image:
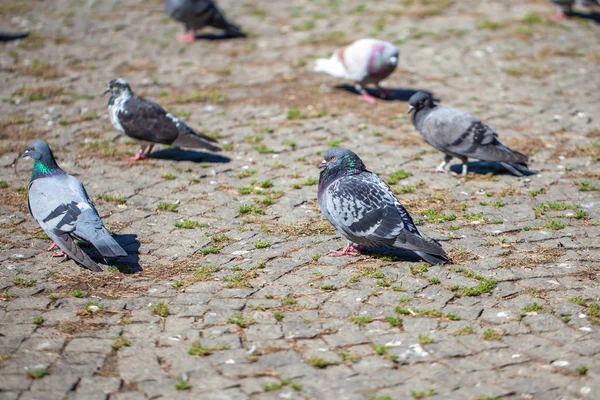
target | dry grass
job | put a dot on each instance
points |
(525, 145)
(536, 71)
(460, 255)
(438, 201)
(36, 93)
(137, 66)
(537, 257)
(421, 8)
(317, 226)
(103, 285)
(40, 69)
(592, 150)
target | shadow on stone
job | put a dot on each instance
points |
(398, 94)
(220, 36)
(484, 168)
(131, 263)
(390, 254)
(175, 154)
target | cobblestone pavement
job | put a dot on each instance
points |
(228, 292)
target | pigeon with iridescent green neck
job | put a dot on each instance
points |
(60, 204)
(366, 61)
(149, 123)
(363, 208)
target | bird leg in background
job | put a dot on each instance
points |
(349, 250)
(385, 93)
(563, 12)
(139, 156)
(53, 245)
(187, 37)
(465, 167)
(440, 168)
(363, 93)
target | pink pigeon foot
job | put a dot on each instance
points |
(438, 170)
(139, 156)
(53, 245)
(188, 37)
(59, 253)
(367, 97)
(348, 251)
(558, 17)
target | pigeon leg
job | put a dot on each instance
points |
(559, 16)
(465, 168)
(188, 37)
(440, 168)
(363, 93)
(139, 156)
(147, 152)
(349, 250)
(59, 254)
(53, 245)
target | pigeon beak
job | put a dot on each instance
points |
(106, 91)
(410, 109)
(323, 164)
(393, 60)
(26, 154)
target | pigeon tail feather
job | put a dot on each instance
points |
(433, 259)
(108, 247)
(189, 138)
(516, 169)
(332, 66)
(66, 244)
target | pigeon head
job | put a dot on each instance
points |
(391, 55)
(117, 88)
(341, 161)
(420, 100)
(44, 162)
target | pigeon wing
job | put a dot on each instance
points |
(460, 134)
(364, 207)
(145, 120)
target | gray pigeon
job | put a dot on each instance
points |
(365, 61)
(363, 208)
(196, 14)
(461, 135)
(565, 7)
(149, 123)
(60, 204)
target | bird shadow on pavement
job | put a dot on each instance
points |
(219, 36)
(175, 154)
(7, 37)
(397, 94)
(484, 168)
(390, 254)
(129, 264)
(593, 16)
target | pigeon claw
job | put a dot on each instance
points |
(59, 253)
(139, 156)
(367, 97)
(52, 246)
(559, 17)
(188, 37)
(349, 250)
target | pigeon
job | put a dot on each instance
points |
(363, 208)
(149, 123)
(364, 61)
(196, 14)
(461, 135)
(565, 7)
(59, 203)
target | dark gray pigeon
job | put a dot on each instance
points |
(363, 208)
(60, 204)
(196, 14)
(461, 135)
(149, 123)
(565, 7)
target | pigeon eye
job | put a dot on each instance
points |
(332, 158)
(32, 148)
